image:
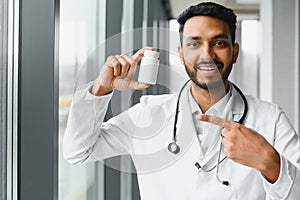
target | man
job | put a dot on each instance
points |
(258, 158)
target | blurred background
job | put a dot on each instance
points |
(49, 48)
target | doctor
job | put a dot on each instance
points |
(219, 158)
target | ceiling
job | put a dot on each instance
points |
(243, 8)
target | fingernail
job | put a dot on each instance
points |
(146, 85)
(143, 85)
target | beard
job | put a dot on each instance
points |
(210, 85)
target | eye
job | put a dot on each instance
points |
(193, 44)
(220, 44)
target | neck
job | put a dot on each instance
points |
(207, 98)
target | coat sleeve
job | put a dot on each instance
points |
(287, 144)
(87, 138)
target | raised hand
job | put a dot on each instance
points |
(118, 73)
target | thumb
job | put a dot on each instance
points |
(125, 84)
(137, 85)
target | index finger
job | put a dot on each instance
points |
(215, 120)
(140, 53)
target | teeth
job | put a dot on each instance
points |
(208, 68)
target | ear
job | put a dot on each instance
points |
(236, 49)
(180, 53)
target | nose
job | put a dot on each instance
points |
(206, 53)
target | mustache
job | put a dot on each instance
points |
(218, 63)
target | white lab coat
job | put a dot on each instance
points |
(145, 130)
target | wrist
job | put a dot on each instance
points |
(270, 166)
(100, 90)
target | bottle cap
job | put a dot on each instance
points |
(149, 60)
(150, 53)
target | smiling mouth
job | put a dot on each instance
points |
(209, 66)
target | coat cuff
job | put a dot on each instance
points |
(280, 189)
(89, 95)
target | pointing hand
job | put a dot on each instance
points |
(247, 147)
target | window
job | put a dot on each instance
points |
(89, 32)
(82, 33)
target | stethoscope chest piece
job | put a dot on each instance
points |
(173, 148)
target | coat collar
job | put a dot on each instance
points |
(237, 104)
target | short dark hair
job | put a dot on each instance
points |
(208, 9)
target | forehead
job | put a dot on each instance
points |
(205, 26)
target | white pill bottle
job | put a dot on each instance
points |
(149, 67)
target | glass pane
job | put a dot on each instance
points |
(80, 22)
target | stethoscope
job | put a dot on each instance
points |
(174, 148)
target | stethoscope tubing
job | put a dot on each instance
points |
(174, 147)
(241, 121)
(177, 110)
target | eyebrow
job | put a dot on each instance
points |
(222, 35)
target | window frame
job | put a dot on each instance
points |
(37, 120)
(3, 95)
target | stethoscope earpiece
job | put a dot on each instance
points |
(173, 148)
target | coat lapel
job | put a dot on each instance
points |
(237, 105)
(186, 136)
